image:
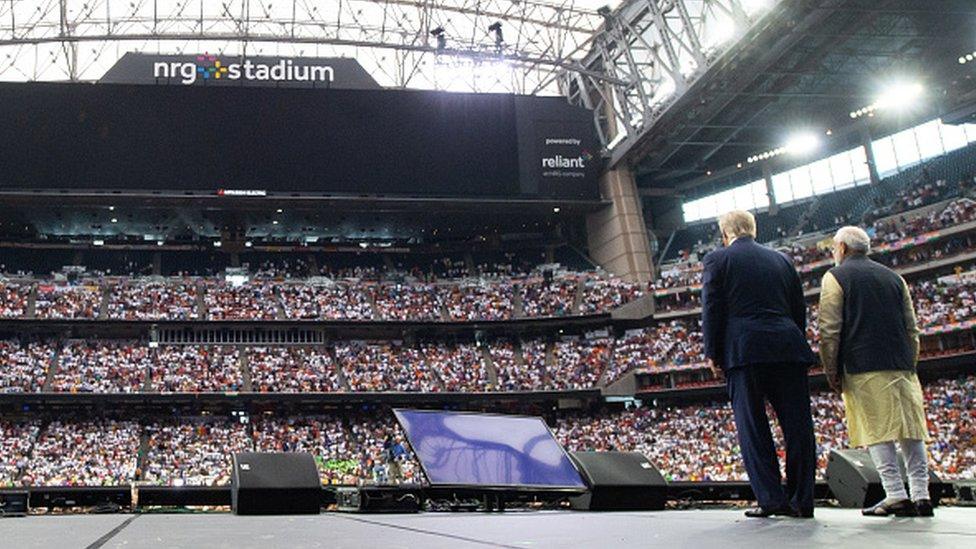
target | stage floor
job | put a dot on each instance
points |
(952, 527)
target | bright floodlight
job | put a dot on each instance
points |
(803, 143)
(900, 96)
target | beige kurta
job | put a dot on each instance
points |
(880, 406)
(884, 407)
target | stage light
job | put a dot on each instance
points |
(115, 220)
(248, 244)
(803, 143)
(111, 208)
(218, 244)
(438, 34)
(159, 242)
(279, 210)
(555, 210)
(496, 28)
(899, 96)
(98, 242)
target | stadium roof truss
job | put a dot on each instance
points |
(649, 53)
(395, 40)
(626, 63)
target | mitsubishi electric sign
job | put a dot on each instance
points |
(217, 70)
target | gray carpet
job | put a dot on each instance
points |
(953, 527)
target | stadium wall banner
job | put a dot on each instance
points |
(223, 70)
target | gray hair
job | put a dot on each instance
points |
(854, 238)
(737, 223)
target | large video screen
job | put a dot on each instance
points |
(95, 137)
(484, 450)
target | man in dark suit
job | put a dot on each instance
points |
(754, 326)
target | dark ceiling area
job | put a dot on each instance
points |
(806, 67)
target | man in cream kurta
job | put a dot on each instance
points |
(869, 350)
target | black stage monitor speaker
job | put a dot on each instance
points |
(619, 481)
(14, 503)
(275, 484)
(855, 482)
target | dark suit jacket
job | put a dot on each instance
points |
(752, 307)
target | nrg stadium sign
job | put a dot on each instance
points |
(218, 70)
(209, 66)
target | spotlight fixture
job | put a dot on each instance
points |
(898, 96)
(799, 144)
(968, 58)
(438, 34)
(496, 28)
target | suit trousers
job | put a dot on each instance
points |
(787, 389)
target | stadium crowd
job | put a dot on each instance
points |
(544, 297)
(83, 453)
(322, 436)
(13, 299)
(386, 367)
(690, 443)
(408, 302)
(461, 367)
(579, 363)
(666, 345)
(24, 368)
(196, 369)
(292, 370)
(606, 294)
(254, 300)
(153, 300)
(698, 443)
(68, 301)
(16, 439)
(480, 301)
(102, 367)
(325, 302)
(194, 453)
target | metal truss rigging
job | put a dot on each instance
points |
(393, 39)
(648, 54)
(627, 64)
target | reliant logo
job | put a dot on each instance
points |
(560, 161)
(208, 66)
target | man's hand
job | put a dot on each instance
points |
(716, 369)
(835, 382)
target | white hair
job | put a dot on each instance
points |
(737, 223)
(854, 238)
